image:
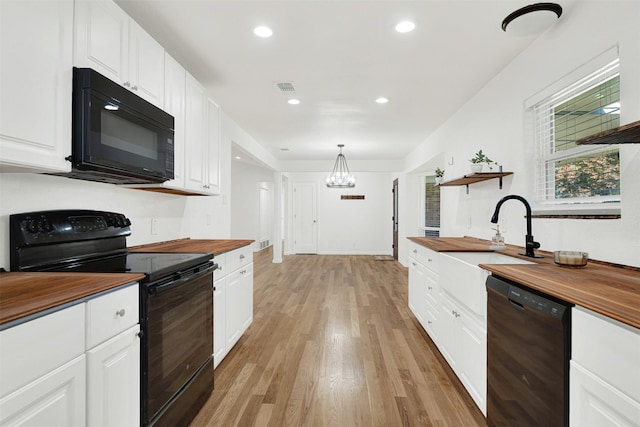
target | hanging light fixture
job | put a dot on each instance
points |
(341, 177)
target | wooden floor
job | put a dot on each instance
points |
(333, 343)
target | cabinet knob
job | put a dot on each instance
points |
(415, 251)
(140, 334)
(429, 287)
(126, 84)
(241, 256)
(135, 88)
(414, 264)
(429, 259)
(120, 312)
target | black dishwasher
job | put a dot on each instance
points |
(528, 352)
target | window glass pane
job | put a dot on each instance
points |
(588, 175)
(593, 111)
(431, 207)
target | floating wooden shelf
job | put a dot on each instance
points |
(472, 178)
(627, 134)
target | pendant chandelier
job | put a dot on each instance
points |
(341, 177)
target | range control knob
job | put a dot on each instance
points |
(127, 222)
(32, 227)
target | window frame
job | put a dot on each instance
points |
(588, 76)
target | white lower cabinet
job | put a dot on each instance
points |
(113, 399)
(79, 366)
(232, 300)
(455, 321)
(55, 399)
(604, 388)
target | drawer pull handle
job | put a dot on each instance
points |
(120, 312)
(415, 251)
(241, 256)
(429, 287)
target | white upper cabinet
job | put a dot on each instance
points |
(36, 40)
(114, 45)
(202, 140)
(174, 104)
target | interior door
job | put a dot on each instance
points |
(395, 218)
(305, 218)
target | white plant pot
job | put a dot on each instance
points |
(476, 167)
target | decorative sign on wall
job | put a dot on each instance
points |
(351, 197)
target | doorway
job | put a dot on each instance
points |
(395, 218)
(305, 218)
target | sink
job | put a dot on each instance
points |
(475, 258)
(461, 277)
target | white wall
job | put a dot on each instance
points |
(494, 120)
(245, 181)
(206, 217)
(353, 226)
(177, 216)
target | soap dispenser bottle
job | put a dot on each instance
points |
(497, 241)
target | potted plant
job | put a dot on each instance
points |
(439, 176)
(478, 161)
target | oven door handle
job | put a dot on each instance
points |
(162, 287)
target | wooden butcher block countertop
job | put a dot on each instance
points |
(216, 247)
(23, 294)
(610, 290)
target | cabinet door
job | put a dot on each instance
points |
(448, 331)
(146, 65)
(246, 301)
(595, 403)
(174, 104)
(416, 290)
(213, 148)
(113, 381)
(102, 39)
(472, 358)
(219, 319)
(195, 135)
(55, 399)
(36, 40)
(234, 308)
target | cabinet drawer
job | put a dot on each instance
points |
(425, 256)
(223, 268)
(111, 314)
(608, 348)
(30, 350)
(239, 257)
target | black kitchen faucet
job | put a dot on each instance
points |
(530, 244)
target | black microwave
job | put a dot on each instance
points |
(118, 137)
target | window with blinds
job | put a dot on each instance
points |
(570, 173)
(431, 203)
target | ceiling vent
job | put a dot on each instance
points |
(286, 88)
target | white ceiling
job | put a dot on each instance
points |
(340, 55)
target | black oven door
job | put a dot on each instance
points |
(178, 341)
(116, 131)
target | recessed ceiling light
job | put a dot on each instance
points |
(382, 100)
(238, 157)
(405, 27)
(294, 101)
(262, 31)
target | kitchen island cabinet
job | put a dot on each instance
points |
(36, 42)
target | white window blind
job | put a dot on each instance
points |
(570, 173)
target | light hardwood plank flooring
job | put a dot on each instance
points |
(333, 343)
